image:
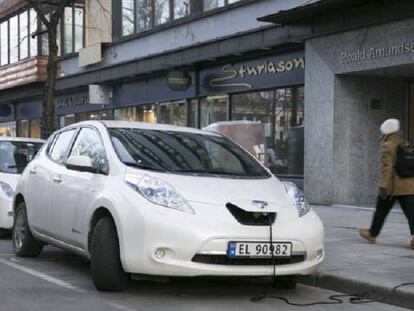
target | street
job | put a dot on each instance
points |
(58, 280)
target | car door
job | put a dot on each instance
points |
(42, 181)
(76, 190)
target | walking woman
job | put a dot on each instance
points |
(391, 187)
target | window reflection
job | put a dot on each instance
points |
(213, 109)
(14, 39)
(23, 39)
(282, 113)
(144, 12)
(161, 11)
(127, 17)
(213, 4)
(4, 33)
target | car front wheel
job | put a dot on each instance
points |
(24, 244)
(106, 268)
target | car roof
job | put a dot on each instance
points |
(149, 126)
(21, 139)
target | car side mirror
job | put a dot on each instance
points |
(80, 163)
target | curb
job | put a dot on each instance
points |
(402, 297)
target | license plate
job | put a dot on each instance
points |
(258, 249)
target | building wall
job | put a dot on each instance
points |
(205, 29)
(344, 74)
(356, 133)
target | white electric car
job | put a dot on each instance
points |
(158, 200)
(15, 154)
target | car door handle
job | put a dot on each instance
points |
(57, 179)
(33, 171)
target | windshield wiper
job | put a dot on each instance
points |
(212, 172)
(144, 166)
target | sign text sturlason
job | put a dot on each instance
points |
(265, 68)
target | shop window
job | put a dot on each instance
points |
(139, 114)
(8, 129)
(193, 113)
(213, 109)
(35, 128)
(95, 115)
(23, 128)
(28, 128)
(282, 113)
(67, 120)
(173, 113)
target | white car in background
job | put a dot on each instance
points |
(15, 154)
(140, 199)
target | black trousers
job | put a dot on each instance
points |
(384, 207)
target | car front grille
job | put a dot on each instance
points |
(240, 261)
(251, 218)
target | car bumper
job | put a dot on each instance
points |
(170, 243)
(6, 213)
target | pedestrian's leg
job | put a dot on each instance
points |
(407, 205)
(381, 212)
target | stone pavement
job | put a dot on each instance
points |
(352, 265)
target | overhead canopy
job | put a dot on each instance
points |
(311, 9)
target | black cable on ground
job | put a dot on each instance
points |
(359, 298)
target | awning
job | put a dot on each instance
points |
(310, 9)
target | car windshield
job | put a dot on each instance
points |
(184, 153)
(15, 155)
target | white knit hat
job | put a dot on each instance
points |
(390, 126)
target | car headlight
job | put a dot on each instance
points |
(298, 198)
(158, 192)
(7, 189)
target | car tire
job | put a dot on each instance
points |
(24, 244)
(106, 268)
(287, 282)
(4, 233)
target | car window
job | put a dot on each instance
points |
(88, 143)
(15, 155)
(61, 145)
(184, 152)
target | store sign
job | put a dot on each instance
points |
(372, 53)
(73, 100)
(100, 94)
(282, 69)
(178, 80)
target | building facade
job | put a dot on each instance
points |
(183, 62)
(359, 70)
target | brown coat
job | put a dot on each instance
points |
(389, 179)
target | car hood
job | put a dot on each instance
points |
(247, 194)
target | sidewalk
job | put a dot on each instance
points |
(352, 265)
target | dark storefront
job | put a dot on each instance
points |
(267, 89)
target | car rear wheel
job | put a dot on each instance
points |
(106, 268)
(24, 244)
